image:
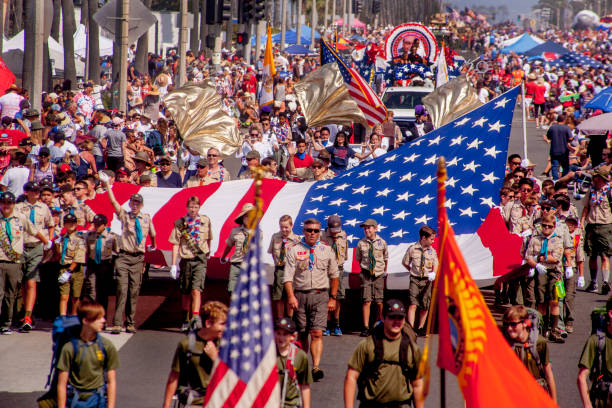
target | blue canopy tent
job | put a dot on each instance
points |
(574, 59)
(524, 43)
(298, 50)
(547, 47)
(603, 100)
(291, 37)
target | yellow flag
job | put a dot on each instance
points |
(267, 90)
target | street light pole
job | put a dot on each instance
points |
(182, 44)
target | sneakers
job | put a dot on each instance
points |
(555, 337)
(337, 331)
(115, 329)
(130, 329)
(5, 331)
(27, 324)
(185, 327)
(326, 332)
(605, 288)
(317, 374)
(569, 327)
(365, 333)
(592, 287)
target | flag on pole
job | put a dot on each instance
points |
(267, 89)
(441, 69)
(470, 343)
(245, 374)
(367, 100)
(7, 78)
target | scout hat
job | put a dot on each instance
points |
(36, 125)
(143, 157)
(100, 219)
(394, 307)
(137, 197)
(7, 197)
(334, 224)
(70, 218)
(203, 162)
(602, 173)
(31, 186)
(284, 324)
(245, 209)
(145, 177)
(369, 222)
(31, 113)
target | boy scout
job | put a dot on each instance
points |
(13, 229)
(40, 215)
(71, 249)
(238, 240)
(280, 243)
(199, 179)
(101, 249)
(574, 264)
(335, 237)
(544, 254)
(293, 366)
(190, 239)
(192, 365)
(421, 260)
(70, 205)
(519, 215)
(129, 266)
(372, 255)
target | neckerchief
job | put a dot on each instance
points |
(246, 240)
(335, 248)
(32, 215)
(7, 228)
(193, 228)
(544, 250)
(98, 255)
(311, 258)
(576, 241)
(138, 230)
(283, 251)
(372, 261)
(422, 262)
(301, 155)
(64, 248)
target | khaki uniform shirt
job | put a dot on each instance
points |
(555, 250)
(42, 219)
(195, 181)
(186, 251)
(577, 254)
(109, 245)
(379, 250)
(238, 238)
(572, 212)
(341, 245)
(221, 174)
(561, 230)
(298, 269)
(81, 211)
(75, 248)
(420, 261)
(127, 241)
(277, 250)
(600, 213)
(20, 227)
(519, 218)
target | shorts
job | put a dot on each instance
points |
(311, 313)
(192, 274)
(419, 292)
(598, 239)
(341, 290)
(278, 288)
(32, 257)
(372, 287)
(538, 109)
(75, 285)
(234, 272)
(545, 286)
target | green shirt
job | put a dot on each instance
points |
(388, 384)
(195, 372)
(589, 352)
(87, 370)
(303, 374)
(524, 354)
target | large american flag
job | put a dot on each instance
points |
(245, 373)
(358, 88)
(397, 189)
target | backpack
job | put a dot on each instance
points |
(153, 138)
(289, 373)
(601, 387)
(407, 347)
(535, 325)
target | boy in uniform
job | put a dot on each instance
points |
(101, 250)
(335, 237)
(293, 366)
(190, 239)
(421, 260)
(237, 239)
(372, 255)
(575, 264)
(71, 250)
(280, 244)
(70, 205)
(192, 365)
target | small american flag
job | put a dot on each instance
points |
(358, 88)
(245, 374)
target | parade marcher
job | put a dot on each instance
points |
(530, 347)
(129, 265)
(383, 368)
(71, 249)
(421, 260)
(575, 261)
(311, 283)
(335, 237)
(294, 375)
(238, 239)
(373, 255)
(69, 205)
(39, 215)
(192, 364)
(102, 248)
(280, 243)
(190, 239)
(559, 136)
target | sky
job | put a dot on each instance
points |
(515, 7)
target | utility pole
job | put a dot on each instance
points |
(247, 47)
(121, 37)
(333, 13)
(283, 23)
(313, 23)
(260, 27)
(298, 28)
(325, 15)
(349, 20)
(37, 69)
(182, 44)
(203, 28)
(344, 17)
(2, 13)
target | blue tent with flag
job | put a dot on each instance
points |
(549, 47)
(574, 59)
(524, 43)
(603, 100)
(298, 49)
(291, 36)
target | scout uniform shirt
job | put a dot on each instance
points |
(71, 248)
(100, 247)
(92, 363)
(195, 181)
(421, 261)
(339, 246)
(131, 240)
(12, 235)
(279, 247)
(599, 206)
(40, 215)
(572, 212)
(81, 211)
(238, 237)
(554, 249)
(577, 252)
(216, 176)
(520, 218)
(195, 372)
(310, 267)
(372, 255)
(199, 230)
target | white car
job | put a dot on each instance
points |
(401, 100)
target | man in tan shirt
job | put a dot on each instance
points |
(70, 205)
(190, 239)
(216, 172)
(335, 237)
(129, 266)
(199, 179)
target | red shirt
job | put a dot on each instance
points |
(15, 135)
(538, 94)
(305, 162)
(529, 89)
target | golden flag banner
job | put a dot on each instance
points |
(450, 101)
(202, 123)
(325, 100)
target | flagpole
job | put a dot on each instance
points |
(524, 120)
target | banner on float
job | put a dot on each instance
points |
(403, 36)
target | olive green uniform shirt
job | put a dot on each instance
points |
(298, 271)
(341, 245)
(303, 374)
(238, 238)
(598, 214)
(197, 370)
(75, 248)
(279, 254)
(524, 354)
(589, 352)
(81, 211)
(554, 250)
(420, 261)
(127, 240)
(87, 371)
(108, 242)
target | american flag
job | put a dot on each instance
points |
(397, 189)
(574, 59)
(245, 373)
(358, 88)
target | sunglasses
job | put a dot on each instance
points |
(201, 167)
(525, 190)
(317, 167)
(81, 188)
(312, 230)
(164, 164)
(547, 226)
(212, 155)
(254, 134)
(516, 163)
(512, 324)
(546, 208)
(510, 196)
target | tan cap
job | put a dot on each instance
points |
(143, 157)
(369, 222)
(245, 209)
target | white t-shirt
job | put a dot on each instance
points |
(14, 179)
(10, 104)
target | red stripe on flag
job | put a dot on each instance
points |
(269, 189)
(504, 246)
(215, 380)
(102, 205)
(266, 390)
(235, 395)
(175, 207)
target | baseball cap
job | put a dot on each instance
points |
(31, 112)
(100, 219)
(7, 196)
(44, 151)
(70, 218)
(64, 167)
(394, 307)
(31, 186)
(36, 125)
(203, 162)
(137, 197)
(334, 223)
(284, 324)
(253, 154)
(548, 203)
(369, 222)
(26, 141)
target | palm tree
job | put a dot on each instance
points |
(68, 38)
(55, 26)
(94, 43)
(142, 48)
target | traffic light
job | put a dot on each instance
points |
(375, 6)
(246, 11)
(260, 9)
(242, 38)
(225, 10)
(211, 12)
(356, 6)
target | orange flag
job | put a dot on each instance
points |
(470, 344)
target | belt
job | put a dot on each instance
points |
(131, 253)
(324, 290)
(30, 246)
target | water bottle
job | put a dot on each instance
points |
(560, 289)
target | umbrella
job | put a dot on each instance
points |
(603, 100)
(597, 125)
(298, 50)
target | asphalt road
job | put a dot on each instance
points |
(146, 356)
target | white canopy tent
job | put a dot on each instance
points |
(80, 43)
